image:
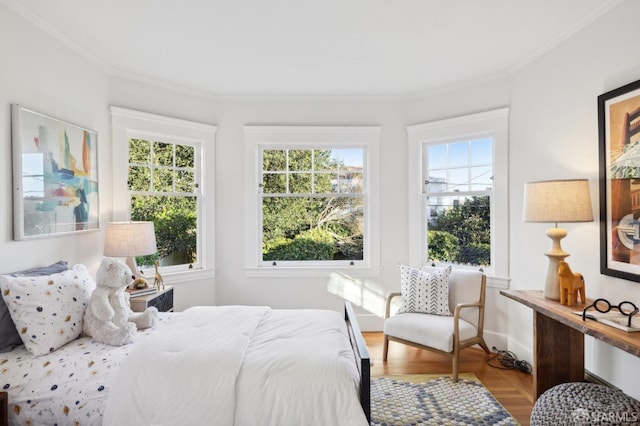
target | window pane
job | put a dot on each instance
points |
(185, 156)
(139, 178)
(323, 160)
(185, 181)
(300, 183)
(481, 178)
(139, 151)
(162, 180)
(350, 158)
(299, 159)
(274, 183)
(274, 160)
(481, 151)
(437, 156)
(459, 154)
(437, 181)
(163, 154)
(459, 179)
(324, 183)
(312, 228)
(350, 183)
(459, 230)
(175, 221)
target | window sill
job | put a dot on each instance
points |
(303, 271)
(183, 276)
(501, 283)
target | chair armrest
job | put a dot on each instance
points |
(387, 303)
(461, 306)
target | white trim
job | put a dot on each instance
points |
(129, 123)
(160, 119)
(277, 131)
(494, 123)
(311, 271)
(342, 136)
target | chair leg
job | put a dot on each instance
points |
(484, 346)
(385, 348)
(454, 362)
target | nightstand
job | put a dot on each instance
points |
(163, 300)
(4, 409)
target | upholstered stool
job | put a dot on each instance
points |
(579, 403)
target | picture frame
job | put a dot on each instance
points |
(55, 176)
(619, 152)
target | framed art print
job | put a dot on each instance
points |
(619, 134)
(55, 176)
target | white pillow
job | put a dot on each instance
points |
(424, 292)
(48, 309)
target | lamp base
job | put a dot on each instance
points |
(555, 255)
(137, 280)
(552, 284)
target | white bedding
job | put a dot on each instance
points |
(240, 365)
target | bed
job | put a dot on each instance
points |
(235, 365)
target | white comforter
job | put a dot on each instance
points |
(240, 365)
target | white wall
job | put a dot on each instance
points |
(554, 134)
(40, 73)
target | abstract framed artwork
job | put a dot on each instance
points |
(619, 135)
(55, 176)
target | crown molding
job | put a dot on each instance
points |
(597, 12)
(49, 29)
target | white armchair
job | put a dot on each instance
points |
(443, 334)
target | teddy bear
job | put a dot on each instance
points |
(108, 317)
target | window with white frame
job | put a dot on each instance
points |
(164, 181)
(164, 188)
(458, 192)
(315, 197)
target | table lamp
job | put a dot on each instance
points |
(556, 201)
(130, 239)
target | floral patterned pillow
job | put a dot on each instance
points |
(48, 310)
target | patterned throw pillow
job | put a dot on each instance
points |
(48, 310)
(424, 292)
(9, 337)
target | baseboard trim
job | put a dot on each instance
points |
(592, 378)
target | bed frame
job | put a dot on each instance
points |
(362, 358)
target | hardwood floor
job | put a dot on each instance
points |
(514, 389)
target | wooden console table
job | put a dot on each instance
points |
(558, 339)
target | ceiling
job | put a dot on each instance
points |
(311, 48)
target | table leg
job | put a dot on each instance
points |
(558, 354)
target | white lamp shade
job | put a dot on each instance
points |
(125, 239)
(556, 201)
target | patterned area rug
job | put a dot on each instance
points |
(424, 399)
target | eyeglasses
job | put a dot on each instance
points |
(626, 308)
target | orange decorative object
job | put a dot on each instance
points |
(571, 284)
